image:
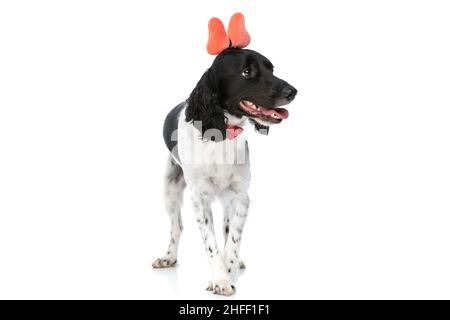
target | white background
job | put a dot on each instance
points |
(350, 195)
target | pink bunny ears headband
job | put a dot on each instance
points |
(219, 39)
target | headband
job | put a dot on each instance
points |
(219, 39)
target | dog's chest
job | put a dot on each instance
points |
(212, 166)
(221, 166)
(215, 178)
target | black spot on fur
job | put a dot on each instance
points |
(180, 223)
(212, 182)
(175, 174)
(205, 194)
(233, 189)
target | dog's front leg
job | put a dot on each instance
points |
(238, 209)
(221, 283)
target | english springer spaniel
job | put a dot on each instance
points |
(209, 153)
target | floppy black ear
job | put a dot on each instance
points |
(204, 105)
(259, 127)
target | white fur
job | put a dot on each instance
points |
(212, 170)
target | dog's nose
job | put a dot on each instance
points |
(289, 93)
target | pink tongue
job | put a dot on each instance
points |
(280, 112)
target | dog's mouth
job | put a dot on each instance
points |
(273, 115)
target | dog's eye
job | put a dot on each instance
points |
(246, 73)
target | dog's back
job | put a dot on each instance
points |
(170, 126)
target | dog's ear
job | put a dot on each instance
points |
(204, 106)
(259, 127)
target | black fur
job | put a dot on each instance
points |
(170, 126)
(236, 75)
(205, 105)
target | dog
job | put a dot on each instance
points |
(209, 153)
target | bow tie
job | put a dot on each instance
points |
(233, 131)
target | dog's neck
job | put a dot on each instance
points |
(232, 120)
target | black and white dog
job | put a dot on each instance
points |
(209, 153)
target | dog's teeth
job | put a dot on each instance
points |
(250, 104)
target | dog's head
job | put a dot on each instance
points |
(241, 83)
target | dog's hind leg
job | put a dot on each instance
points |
(173, 196)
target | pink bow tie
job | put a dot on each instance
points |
(233, 132)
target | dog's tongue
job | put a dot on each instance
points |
(280, 112)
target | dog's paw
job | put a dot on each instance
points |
(222, 287)
(165, 262)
